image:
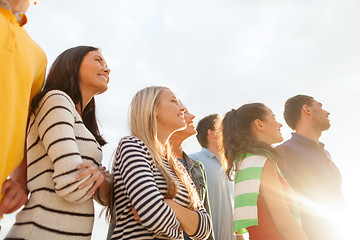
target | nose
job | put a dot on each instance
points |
(106, 70)
(280, 125)
(192, 116)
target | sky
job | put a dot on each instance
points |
(215, 56)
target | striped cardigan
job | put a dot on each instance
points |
(138, 183)
(57, 141)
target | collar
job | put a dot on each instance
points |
(20, 16)
(188, 160)
(306, 141)
(210, 154)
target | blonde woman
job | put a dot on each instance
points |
(154, 196)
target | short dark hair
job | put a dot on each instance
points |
(64, 76)
(292, 109)
(206, 123)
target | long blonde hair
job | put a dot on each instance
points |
(143, 125)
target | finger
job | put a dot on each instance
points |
(6, 185)
(7, 201)
(89, 181)
(136, 215)
(88, 171)
(100, 179)
(19, 201)
(83, 165)
(14, 198)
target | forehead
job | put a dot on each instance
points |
(268, 111)
(316, 103)
(167, 93)
(95, 53)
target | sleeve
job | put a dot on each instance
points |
(132, 164)
(204, 228)
(207, 202)
(40, 77)
(55, 121)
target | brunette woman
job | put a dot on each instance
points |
(263, 204)
(64, 150)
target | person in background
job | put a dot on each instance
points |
(219, 187)
(154, 197)
(194, 168)
(23, 66)
(264, 203)
(309, 170)
(64, 151)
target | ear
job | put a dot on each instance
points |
(306, 110)
(210, 134)
(258, 125)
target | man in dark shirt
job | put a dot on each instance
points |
(308, 168)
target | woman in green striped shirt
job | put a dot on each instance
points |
(264, 205)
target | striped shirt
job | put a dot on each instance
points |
(138, 183)
(57, 141)
(247, 188)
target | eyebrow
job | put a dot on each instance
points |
(101, 59)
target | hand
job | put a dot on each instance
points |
(97, 176)
(136, 215)
(15, 196)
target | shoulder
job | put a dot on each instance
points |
(131, 144)
(56, 97)
(254, 161)
(196, 156)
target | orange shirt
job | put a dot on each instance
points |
(22, 68)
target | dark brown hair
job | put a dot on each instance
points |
(292, 109)
(206, 123)
(237, 136)
(64, 76)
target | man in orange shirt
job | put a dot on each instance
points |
(22, 70)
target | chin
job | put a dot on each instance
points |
(102, 90)
(279, 139)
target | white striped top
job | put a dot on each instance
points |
(57, 141)
(138, 183)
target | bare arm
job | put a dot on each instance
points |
(277, 205)
(240, 237)
(188, 219)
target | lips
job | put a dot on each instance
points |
(105, 77)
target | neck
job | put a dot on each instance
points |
(163, 136)
(308, 132)
(19, 5)
(213, 148)
(176, 146)
(85, 101)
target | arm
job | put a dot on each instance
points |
(14, 189)
(188, 219)
(100, 181)
(196, 224)
(206, 201)
(277, 205)
(132, 165)
(55, 121)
